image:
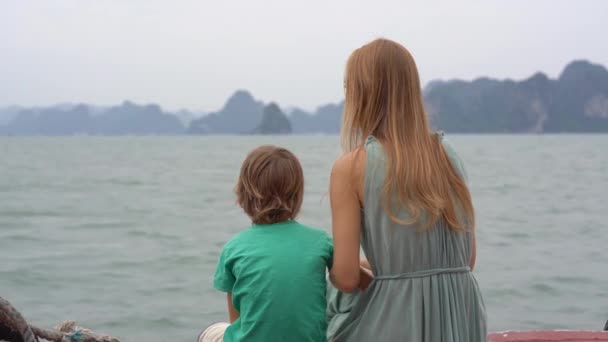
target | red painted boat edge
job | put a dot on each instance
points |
(548, 336)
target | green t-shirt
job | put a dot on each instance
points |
(277, 276)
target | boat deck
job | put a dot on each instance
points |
(548, 336)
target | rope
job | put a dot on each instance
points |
(13, 327)
(69, 332)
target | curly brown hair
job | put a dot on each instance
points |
(270, 188)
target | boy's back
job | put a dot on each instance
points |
(276, 274)
(273, 272)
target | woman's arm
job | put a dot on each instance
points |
(232, 313)
(346, 221)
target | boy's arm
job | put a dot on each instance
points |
(224, 280)
(232, 313)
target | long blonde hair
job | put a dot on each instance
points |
(384, 100)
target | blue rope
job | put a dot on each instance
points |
(75, 337)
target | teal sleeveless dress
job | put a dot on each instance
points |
(423, 289)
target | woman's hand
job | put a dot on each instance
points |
(365, 263)
(365, 278)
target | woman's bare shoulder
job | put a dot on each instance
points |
(351, 167)
(350, 163)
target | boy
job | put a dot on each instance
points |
(274, 273)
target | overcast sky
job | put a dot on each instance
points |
(194, 54)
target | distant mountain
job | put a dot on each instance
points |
(326, 119)
(241, 113)
(186, 116)
(132, 119)
(576, 102)
(274, 121)
(7, 114)
(580, 99)
(126, 119)
(51, 121)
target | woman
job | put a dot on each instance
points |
(399, 192)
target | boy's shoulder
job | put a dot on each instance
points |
(251, 235)
(312, 230)
(321, 241)
(315, 236)
(240, 237)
